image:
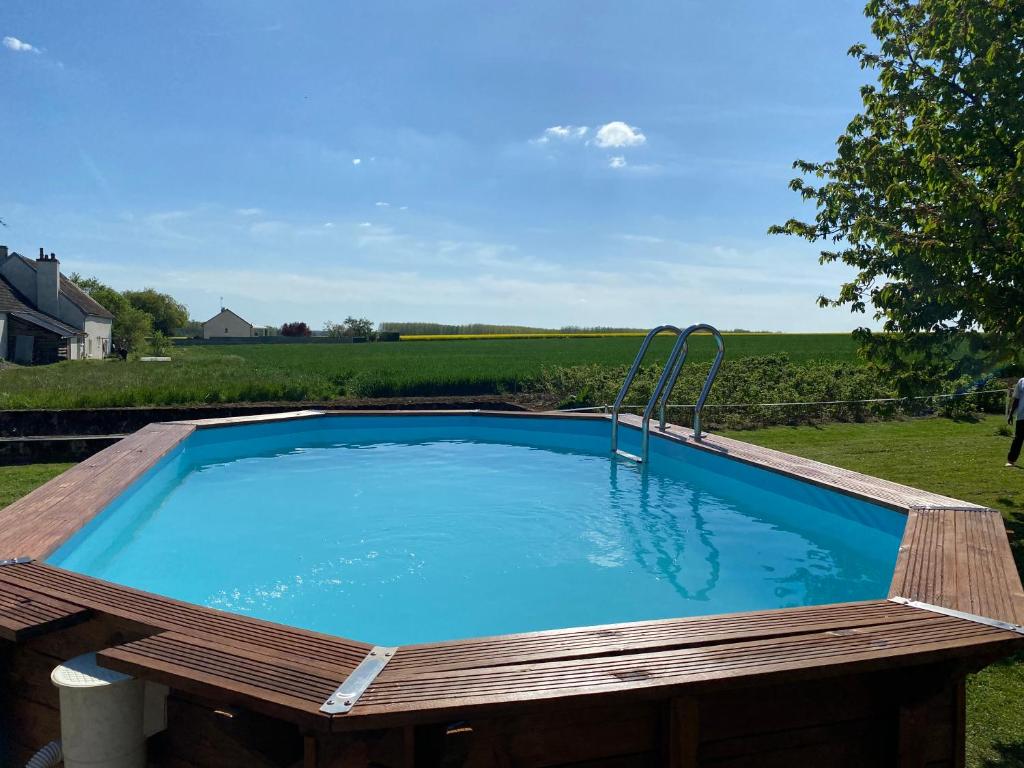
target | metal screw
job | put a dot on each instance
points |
(330, 702)
(348, 703)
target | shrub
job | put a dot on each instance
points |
(295, 329)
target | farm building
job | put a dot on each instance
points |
(44, 317)
(227, 325)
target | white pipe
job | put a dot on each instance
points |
(50, 756)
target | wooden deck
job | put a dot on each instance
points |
(35, 525)
(409, 691)
(954, 556)
(959, 559)
(289, 673)
(25, 613)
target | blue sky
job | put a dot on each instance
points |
(599, 163)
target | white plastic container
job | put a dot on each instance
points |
(101, 715)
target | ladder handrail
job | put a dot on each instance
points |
(666, 383)
(671, 371)
(706, 389)
(708, 382)
(633, 370)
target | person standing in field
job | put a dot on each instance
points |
(1016, 412)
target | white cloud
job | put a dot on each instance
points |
(356, 160)
(617, 162)
(382, 204)
(562, 133)
(249, 211)
(365, 224)
(619, 134)
(329, 224)
(19, 46)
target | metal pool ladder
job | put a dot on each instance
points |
(666, 383)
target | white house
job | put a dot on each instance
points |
(44, 317)
(226, 325)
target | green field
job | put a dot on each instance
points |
(327, 371)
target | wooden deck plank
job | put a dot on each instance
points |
(258, 418)
(165, 614)
(959, 559)
(38, 523)
(631, 637)
(24, 613)
(400, 693)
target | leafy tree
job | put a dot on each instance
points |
(111, 299)
(334, 330)
(168, 315)
(131, 327)
(295, 329)
(925, 197)
(358, 326)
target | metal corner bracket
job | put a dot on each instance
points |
(347, 694)
(994, 623)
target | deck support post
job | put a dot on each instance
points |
(310, 751)
(923, 692)
(682, 732)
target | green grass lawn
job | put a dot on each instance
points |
(962, 459)
(327, 371)
(16, 481)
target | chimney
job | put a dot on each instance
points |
(3, 253)
(48, 284)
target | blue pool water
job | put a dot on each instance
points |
(409, 529)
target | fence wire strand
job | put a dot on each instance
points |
(798, 404)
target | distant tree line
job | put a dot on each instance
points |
(138, 315)
(439, 329)
(353, 326)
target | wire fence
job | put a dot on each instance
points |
(761, 414)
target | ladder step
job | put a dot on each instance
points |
(630, 456)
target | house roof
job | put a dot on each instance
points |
(75, 295)
(11, 300)
(14, 303)
(48, 323)
(83, 300)
(228, 311)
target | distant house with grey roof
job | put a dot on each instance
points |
(44, 317)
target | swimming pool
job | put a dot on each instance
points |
(421, 528)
